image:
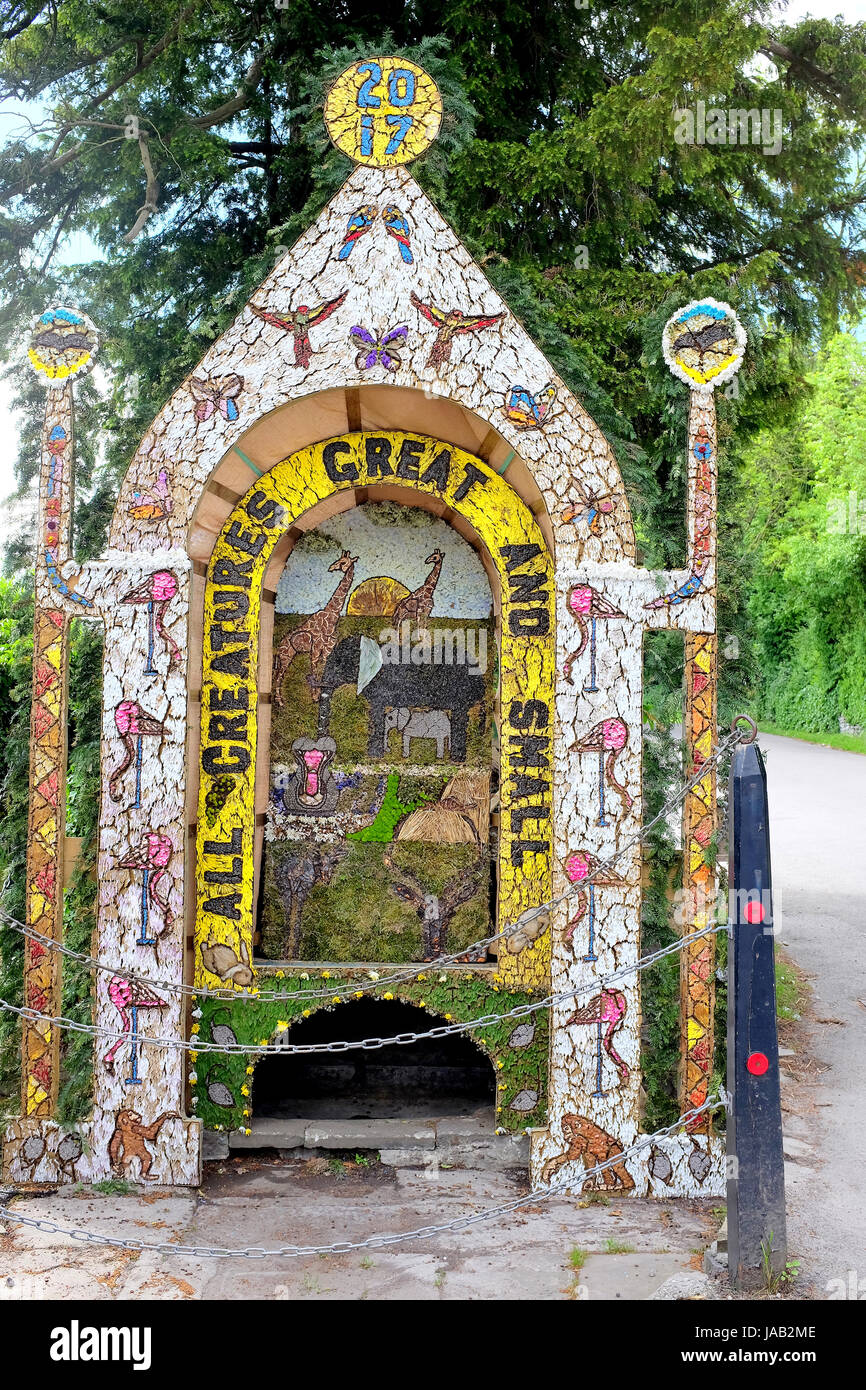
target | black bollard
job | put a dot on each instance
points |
(757, 1248)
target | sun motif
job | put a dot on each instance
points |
(376, 598)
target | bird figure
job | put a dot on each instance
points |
(609, 737)
(705, 342)
(584, 868)
(450, 322)
(299, 321)
(216, 395)
(133, 724)
(375, 350)
(529, 412)
(398, 227)
(151, 859)
(360, 222)
(607, 1007)
(128, 996)
(157, 591)
(585, 602)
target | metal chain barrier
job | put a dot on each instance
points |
(345, 1247)
(398, 977)
(444, 1030)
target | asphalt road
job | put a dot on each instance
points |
(818, 847)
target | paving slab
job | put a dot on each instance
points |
(270, 1134)
(629, 1277)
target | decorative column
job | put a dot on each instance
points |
(703, 346)
(62, 345)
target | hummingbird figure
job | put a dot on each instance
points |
(299, 321)
(450, 322)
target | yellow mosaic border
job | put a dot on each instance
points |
(225, 848)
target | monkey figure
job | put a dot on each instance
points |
(593, 1145)
(127, 1141)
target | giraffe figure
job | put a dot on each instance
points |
(418, 605)
(318, 635)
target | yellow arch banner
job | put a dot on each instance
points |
(229, 709)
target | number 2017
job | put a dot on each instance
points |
(401, 92)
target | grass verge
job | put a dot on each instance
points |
(848, 743)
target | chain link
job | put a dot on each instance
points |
(399, 977)
(345, 1247)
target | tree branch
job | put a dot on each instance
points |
(834, 87)
(238, 102)
(151, 194)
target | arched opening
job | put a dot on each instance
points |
(431, 1078)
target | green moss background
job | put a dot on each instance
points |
(446, 995)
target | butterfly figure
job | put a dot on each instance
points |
(398, 227)
(593, 508)
(154, 505)
(299, 321)
(378, 350)
(216, 395)
(360, 222)
(529, 412)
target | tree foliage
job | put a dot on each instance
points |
(803, 508)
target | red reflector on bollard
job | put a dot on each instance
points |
(758, 1063)
(754, 912)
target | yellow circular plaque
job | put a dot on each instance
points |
(383, 111)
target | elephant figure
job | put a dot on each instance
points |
(443, 689)
(432, 723)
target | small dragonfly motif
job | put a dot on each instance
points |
(378, 350)
(216, 395)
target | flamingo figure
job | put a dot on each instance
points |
(157, 591)
(128, 996)
(608, 1007)
(609, 737)
(583, 867)
(151, 860)
(585, 602)
(133, 724)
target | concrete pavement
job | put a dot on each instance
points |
(818, 846)
(627, 1249)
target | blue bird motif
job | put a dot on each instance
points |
(360, 222)
(398, 227)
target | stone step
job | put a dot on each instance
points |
(463, 1141)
